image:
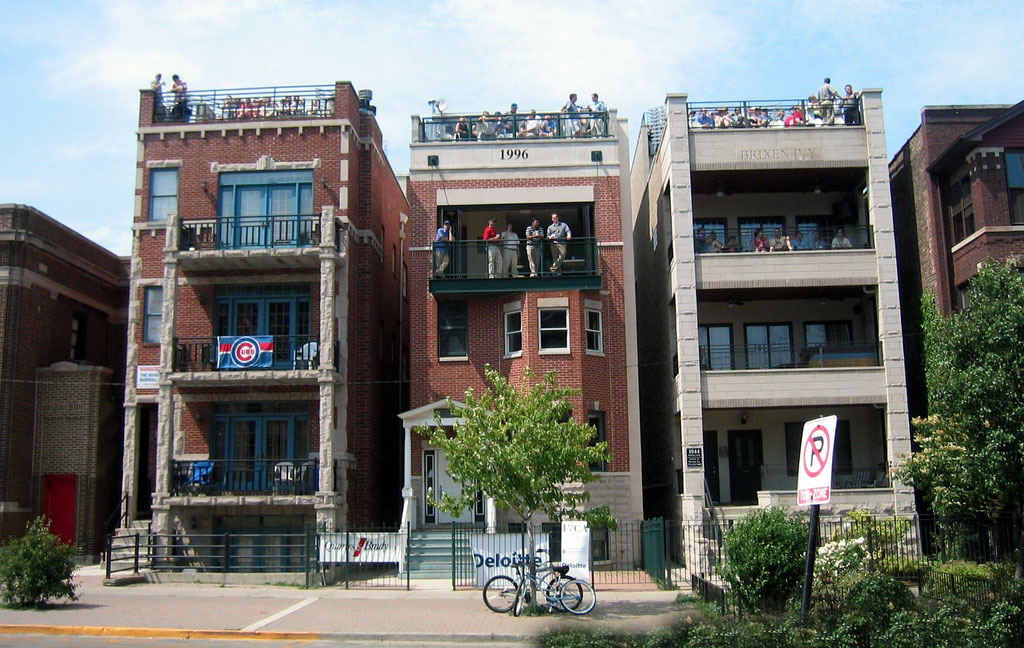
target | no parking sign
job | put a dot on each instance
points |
(814, 483)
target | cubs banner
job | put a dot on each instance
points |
(245, 352)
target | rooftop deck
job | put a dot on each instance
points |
(242, 104)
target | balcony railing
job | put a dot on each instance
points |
(725, 357)
(247, 104)
(717, 238)
(250, 232)
(289, 352)
(470, 259)
(483, 127)
(774, 113)
(263, 476)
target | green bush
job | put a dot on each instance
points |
(36, 567)
(765, 556)
(877, 597)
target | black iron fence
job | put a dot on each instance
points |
(239, 104)
(713, 237)
(726, 357)
(207, 354)
(365, 557)
(250, 232)
(479, 260)
(263, 476)
(533, 125)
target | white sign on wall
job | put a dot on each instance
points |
(147, 376)
(817, 449)
(496, 553)
(363, 547)
(576, 549)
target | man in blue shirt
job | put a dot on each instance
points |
(443, 247)
(598, 115)
(559, 234)
(534, 241)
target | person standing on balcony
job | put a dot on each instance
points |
(851, 107)
(571, 121)
(159, 112)
(510, 252)
(826, 95)
(443, 247)
(534, 245)
(598, 115)
(180, 90)
(493, 242)
(559, 234)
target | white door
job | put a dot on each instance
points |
(435, 476)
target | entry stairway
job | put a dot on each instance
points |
(431, 555)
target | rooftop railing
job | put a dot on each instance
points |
(774, 113)
(721, 239)
(485, 126)
(726, 357)
(238, 232)
(240, 104)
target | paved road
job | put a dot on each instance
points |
(38, 641)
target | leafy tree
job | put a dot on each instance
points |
(521, 446)
(36, 567)
(971, 445)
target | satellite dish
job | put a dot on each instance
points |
(439, 105)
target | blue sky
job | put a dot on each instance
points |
(70, 71)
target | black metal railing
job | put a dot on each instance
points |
(717, 238)
(726, 357)
(484, 126)
(474, 259)
(240, 232)
(205, 354)
(265, 476)
(246, 104)
(774, 113)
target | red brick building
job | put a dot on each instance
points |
(61, 357)
(569, 310)
(958, 200)
(267, 322)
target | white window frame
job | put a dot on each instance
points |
(511, 333)
(599, 331)
(149, 315)
(155, 198)
(540, 331)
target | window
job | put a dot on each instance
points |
(715, 346)
(959, 206)
(596, 420)
(153, 309)
(1015, 185)
(835, 333)
(554, 329)
(248, 195)
(595, 336)
(513, 333)
(78, 337)
(452, 330)
(599, 545)
(842, 464)
(163, 193)
(769, 346)
(716, 227)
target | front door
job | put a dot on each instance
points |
(744, 465)
(436, 478)
(60, 505)
(711, 465)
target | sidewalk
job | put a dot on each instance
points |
(288, 613)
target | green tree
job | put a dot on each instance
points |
(36, 567)
(971, 445)
(520, 446)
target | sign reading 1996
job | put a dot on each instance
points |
(814, 483)
(515, 154)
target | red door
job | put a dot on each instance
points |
(59, 505)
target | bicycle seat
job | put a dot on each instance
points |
(561, 568)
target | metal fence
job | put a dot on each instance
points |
(250, 232)
(533, 125)
(235, 104)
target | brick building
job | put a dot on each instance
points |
(61, 373)
(742, 346)
(266, 323)
(572, 312)
(958, 198)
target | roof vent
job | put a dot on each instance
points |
(366, 96)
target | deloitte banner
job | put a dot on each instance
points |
(495, 553)
(245, 352)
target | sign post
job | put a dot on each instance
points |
(814, 487)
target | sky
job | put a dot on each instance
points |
(70, 71)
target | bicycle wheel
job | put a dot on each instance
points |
(500, 594)
(520, 603)
(577, 596)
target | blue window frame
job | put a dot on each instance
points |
(255, 207)
(163, 193)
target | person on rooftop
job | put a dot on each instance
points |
(157, 86)
(704, 119)
(598, 115)
(851, 107)
(180, 90)
(571, 121)
(531, 127)
(826, 97)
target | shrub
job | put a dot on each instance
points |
(36, 567)
(765, 555)
(958, 577)
(872, 603)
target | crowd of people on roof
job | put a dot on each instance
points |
(233, 107)
(571, 121)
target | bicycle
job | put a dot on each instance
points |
(503, 593)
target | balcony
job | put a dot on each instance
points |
(724, 357)
(473, 127)
(277, 352)
(247, 104)
(467, 269)
(262, 476)
(251, 242)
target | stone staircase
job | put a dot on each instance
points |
(430, 555)
(122, 554)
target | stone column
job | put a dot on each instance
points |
(166, 415)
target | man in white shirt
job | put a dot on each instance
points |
(510, 252)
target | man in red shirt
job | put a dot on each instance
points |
(493, 242)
